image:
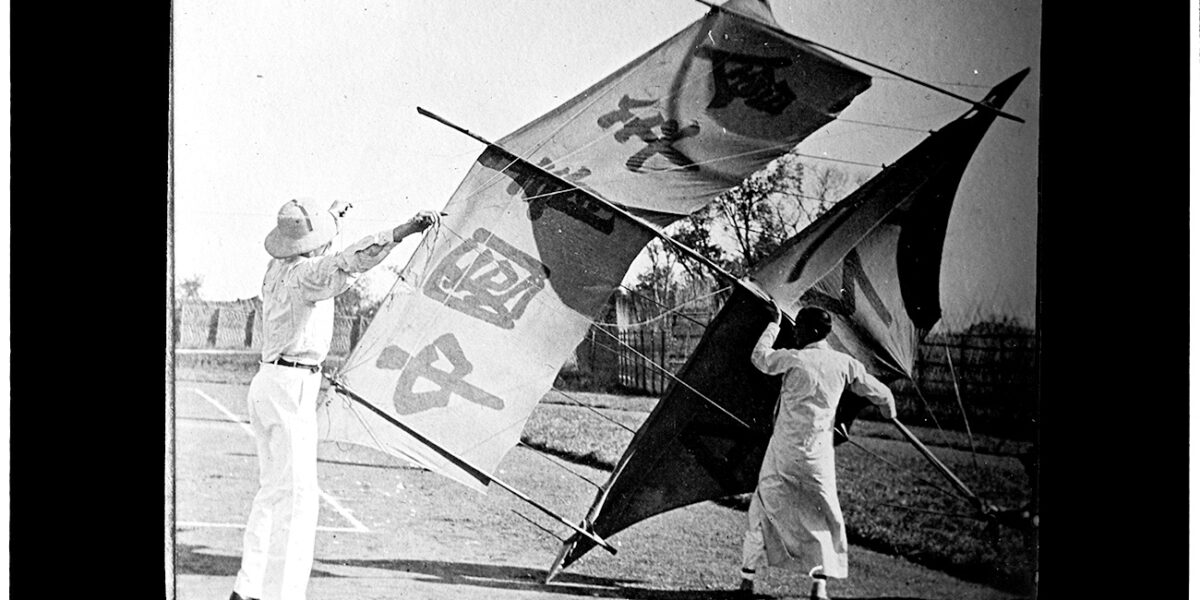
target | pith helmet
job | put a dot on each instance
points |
(302, 226)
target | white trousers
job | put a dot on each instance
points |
(277, 551)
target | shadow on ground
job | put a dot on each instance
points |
(508, 577)
(328, 461)
(192, 560)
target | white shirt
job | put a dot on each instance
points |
(298, 292)
(813, 380)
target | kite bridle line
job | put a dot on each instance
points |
(961, 408)
(984, 511)
(983, 508)
(474, 471)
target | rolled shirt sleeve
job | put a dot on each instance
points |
(329, 276)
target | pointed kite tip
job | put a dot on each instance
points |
(996, 98)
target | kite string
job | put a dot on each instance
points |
(679, 307)
(926, 510)
(925, 403)
(551, 459)
(896, 467)
(660, 304)
(675, 378)
(961, 408)
(538, 525)
(438, 226)
(597, 412)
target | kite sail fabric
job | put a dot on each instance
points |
(873, 260)
(497, 296)
(485, 314)
(692, 117)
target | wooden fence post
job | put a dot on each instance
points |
(354, 331)
(620, 348)
(250, 329)
(642, 363)
(213, 325)
(662, 361)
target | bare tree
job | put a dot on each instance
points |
(745, 224)
(189, 288)
(659, 281)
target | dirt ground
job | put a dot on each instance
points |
(388, 530)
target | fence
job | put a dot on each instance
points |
(995, 371)
(238, 326)
(990, 366)
(995, 375)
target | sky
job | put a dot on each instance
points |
(278, 99)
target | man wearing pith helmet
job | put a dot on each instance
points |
(794, 517)
(302, 279)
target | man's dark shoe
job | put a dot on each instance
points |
(746, 589)
(237, 596)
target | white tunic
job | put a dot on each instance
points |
(794, 515)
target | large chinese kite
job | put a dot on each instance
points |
(496, 299)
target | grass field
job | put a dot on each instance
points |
(893, 501)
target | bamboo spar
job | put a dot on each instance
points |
(474, 471)
(943, 469)
(607, 203)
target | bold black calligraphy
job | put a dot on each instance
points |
(543, 192)
(853, 277)
(624, 111)
(751, 78)
(487, 278)
(566, 173)
(643, 128)
(423, 367)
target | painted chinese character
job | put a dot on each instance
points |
(853, 277)
(487, 278)
(566, 173)
(544, 192)
(661, 142)
(412, 369)
(749, 77)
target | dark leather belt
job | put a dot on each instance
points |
(287, 363)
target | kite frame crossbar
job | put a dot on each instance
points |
(474, 471)
(606, 202)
